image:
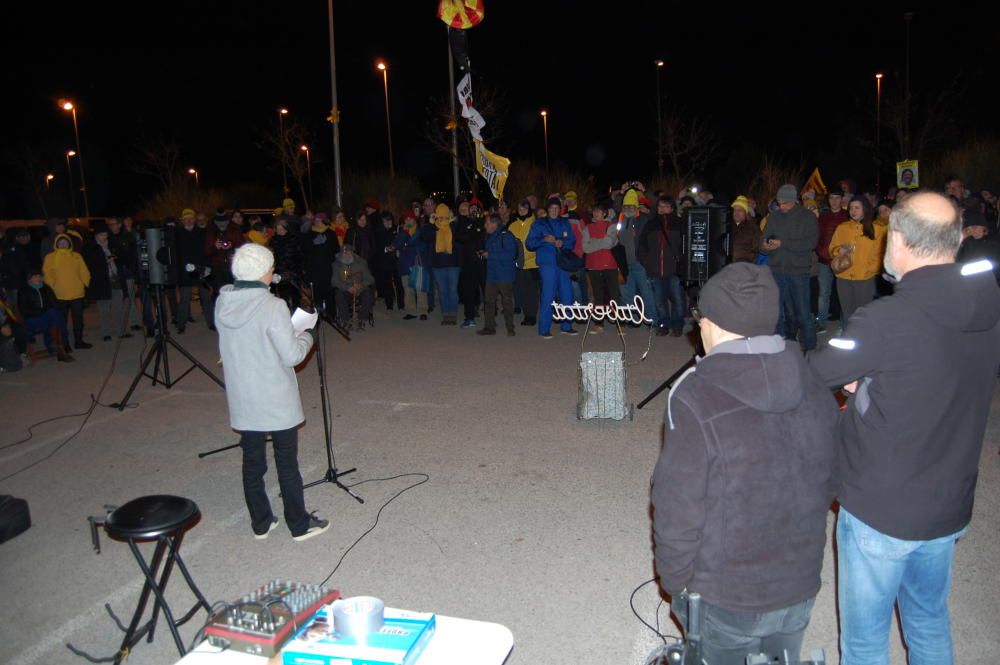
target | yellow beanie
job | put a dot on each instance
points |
(288, 203)
(570, 195)
(631, 198)
(187, 212)
(741, 202)
(442, 211)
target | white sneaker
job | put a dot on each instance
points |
(316, 527)
(263, 536)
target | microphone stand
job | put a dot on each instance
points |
(332, 475)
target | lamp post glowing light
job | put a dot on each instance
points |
(48, 181)
(545, 129)
(382, 67)
(659, 121)
(67, 105)
(282, 112)
(69, 174)
(194, 172)
(878, 132)
(309, 171)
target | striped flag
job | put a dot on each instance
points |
(814, 184)
(461, 14)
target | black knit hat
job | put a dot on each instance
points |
(742, 298)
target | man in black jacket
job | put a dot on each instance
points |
(746, 475)
(659, 252)
(192, 271)
(922, 365)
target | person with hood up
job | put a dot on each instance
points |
(547, 238)
(922, 367)
(500, 253)
(67, 275)
(37, 304)
(56, 226)
(353, 281)
(260, 350)
(472, 273)
(745, 477)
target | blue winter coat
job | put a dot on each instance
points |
(545, 253)
(501, 252)
(412, 248)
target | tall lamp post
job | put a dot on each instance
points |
(67, 105)
(194, 172)
(309, 172)
(545, 129)
(382, 67)
(48, 182)
(282, 112)
(659, 121)
(878, 132)
(69, 174)
(334, 111)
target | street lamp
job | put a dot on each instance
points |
(48, 181)
(382, 67)
(545, 129)
(659, 121)
(282, 112)
(194, 172)
(878, 132)
(69, 173)
(67, 105)
(309, 171)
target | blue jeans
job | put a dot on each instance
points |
(875, 571)
(669, 298)
(728, 637)
(825, 278)
(555, 282)
(638, 283)
(447, 283)
(50, 318)
(794, 291)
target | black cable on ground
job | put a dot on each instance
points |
(631, 603)
(425, 477)
(95, 401)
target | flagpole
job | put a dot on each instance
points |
(454, 120)
(334, 111)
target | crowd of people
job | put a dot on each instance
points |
(825, 251)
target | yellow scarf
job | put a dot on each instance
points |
(319, 227)
(443, 243)
(410, 227)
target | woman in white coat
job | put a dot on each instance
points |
(260, 350)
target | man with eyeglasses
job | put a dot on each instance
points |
(791, 236)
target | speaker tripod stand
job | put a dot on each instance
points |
(158, 353)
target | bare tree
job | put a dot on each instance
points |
(689, 142)
(158, 156)
(286, 148)
(488, 101)
(934, 115)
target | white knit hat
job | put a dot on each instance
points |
(251, 262)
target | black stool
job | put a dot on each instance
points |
(162, 518)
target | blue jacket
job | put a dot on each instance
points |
(412, 250)
(501, 249)
(545, 253)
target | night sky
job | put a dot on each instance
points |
(212, 74)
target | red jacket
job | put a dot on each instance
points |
(828, 223)
(601, 259)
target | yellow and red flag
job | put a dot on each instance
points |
(461, 14)
(814, 184)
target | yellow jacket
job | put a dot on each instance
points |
(868, 252)
(520, 229)
(65, 272)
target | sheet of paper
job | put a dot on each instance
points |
(303, 320)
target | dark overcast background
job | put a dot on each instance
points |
(796, 83)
